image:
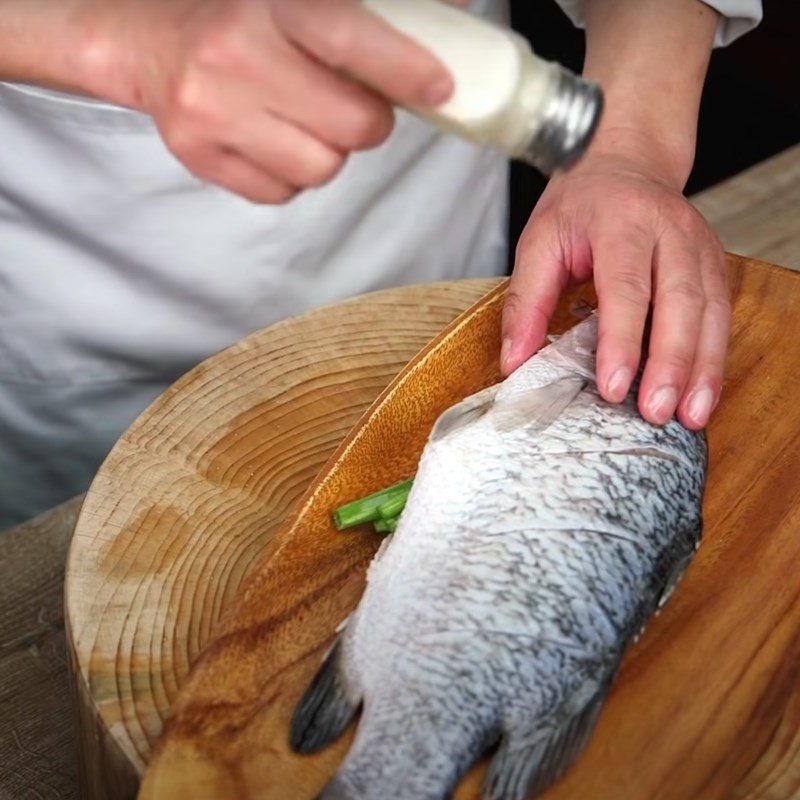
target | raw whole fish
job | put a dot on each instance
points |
(543, 530)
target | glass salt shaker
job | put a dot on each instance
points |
(505, 96)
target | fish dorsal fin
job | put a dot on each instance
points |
(461, 414)
(538, 408)
(526, 765)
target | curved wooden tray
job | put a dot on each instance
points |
(697, 700)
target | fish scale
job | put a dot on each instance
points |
(544, 528)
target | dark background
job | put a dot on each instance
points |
(751, 102)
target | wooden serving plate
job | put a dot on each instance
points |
(195, 491)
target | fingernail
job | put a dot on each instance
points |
(662, 402)
(700, 405)
(438, 92)
(618, 383)
(505, 353)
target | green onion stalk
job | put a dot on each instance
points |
(381, 508)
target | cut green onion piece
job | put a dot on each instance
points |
(385, 525)
(367, 508)
(392, 508)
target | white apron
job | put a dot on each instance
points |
(119, 271)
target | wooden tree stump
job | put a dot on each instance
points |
(196, 489)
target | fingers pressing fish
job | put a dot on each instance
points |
(543, 530)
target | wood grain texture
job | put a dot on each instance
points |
(195, 489)
(757, 213)
(248, 680)
(37, 745)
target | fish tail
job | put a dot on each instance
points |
(337, 789)
(412, 746)
(527, 762)
(326, 708)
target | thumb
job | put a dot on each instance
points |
(539, 278)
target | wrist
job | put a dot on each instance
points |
(102, 63)
(53, 45)
(84, 47)
(644, 148)
(650, 57)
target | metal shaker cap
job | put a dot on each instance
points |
(570, 120)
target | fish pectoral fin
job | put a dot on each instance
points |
(526, 764)
(674, 561)
(461, 414)
(538, 408)
(326, 708)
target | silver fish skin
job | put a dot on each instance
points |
(543, 530)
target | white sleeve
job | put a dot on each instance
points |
(737, 17)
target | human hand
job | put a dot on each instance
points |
(620, 217)
(263, 97)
